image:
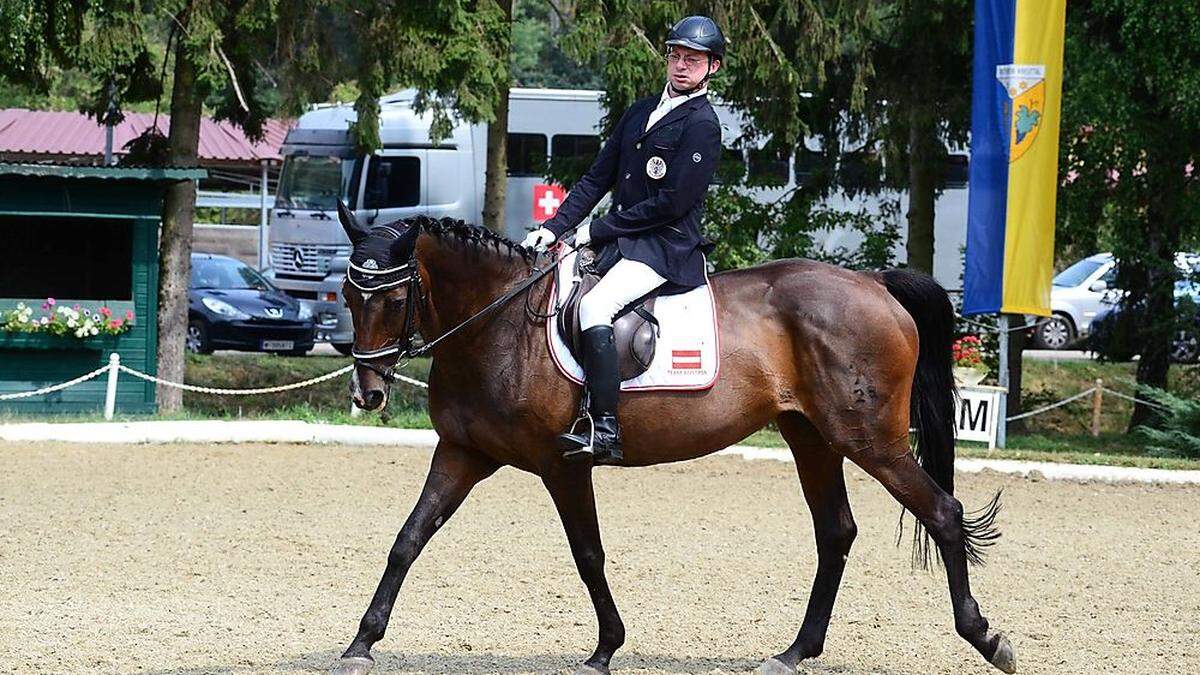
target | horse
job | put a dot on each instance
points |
(840, 360)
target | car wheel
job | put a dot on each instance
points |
(197, 338)
(344, 348)
(1057, 332)
(1185, 348)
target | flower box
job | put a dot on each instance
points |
(95, 343)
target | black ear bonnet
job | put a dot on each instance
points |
(383, 259)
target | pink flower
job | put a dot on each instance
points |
(129, 315)
(114, 324)
(50, 301)
(106, 312)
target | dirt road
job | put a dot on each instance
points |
(188, 559)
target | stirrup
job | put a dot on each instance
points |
(574, 445)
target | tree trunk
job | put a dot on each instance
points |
(175, 239)
(923, 156)
(495, 183)
(1158, 327)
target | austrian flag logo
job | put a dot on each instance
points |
(685, 359)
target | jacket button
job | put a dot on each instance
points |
(618, 207)
(638, 146)
(626, 176)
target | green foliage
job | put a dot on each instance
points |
(748, 232)
(1179, 435)
(538, 59)
(1130, 139)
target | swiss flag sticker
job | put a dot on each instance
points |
(546, 200)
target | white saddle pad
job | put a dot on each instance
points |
(687, 355)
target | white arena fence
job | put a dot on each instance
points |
(114, 368)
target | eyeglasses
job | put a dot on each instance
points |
(691, 62)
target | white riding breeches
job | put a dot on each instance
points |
(627, 281)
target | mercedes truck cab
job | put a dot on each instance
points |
(410, 175)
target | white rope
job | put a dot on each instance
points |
(1127, 397)
(415, 383)
(994, 329)
(236, 392)
(56, 387)
(1052, 406)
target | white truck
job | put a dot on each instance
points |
(411, 175)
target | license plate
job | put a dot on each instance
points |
(277, 345)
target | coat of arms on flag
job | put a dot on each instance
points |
(1026, 87)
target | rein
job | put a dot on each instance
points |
(403, 346)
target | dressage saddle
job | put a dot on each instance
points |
(635, 330)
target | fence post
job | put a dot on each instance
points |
(1097, 399)
(110, 396)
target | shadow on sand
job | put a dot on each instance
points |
(505, 664)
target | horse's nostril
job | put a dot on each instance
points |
(373, 399)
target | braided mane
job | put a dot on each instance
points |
(463, 232)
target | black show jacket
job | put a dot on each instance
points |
(655, 221)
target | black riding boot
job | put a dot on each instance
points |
(603, 383)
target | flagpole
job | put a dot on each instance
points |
(1001, 420)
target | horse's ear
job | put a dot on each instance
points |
(355, 231)
(406, 243)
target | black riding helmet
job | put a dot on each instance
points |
(700, 33)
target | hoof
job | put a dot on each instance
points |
(352, 665)
(585, 669)
(1004, 658)
(774, 666)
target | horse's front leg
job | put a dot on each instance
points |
(454, 471)
(570, 486)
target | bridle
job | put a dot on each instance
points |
(409, 276)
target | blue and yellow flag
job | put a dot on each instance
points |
(1015, 110)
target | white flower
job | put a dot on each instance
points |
(71, 323)
(95, 330)
(45, 320)
(95, 317)
(21, 306)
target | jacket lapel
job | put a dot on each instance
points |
(678, 113)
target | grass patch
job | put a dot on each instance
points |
(1109, 449)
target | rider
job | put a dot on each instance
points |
(659, 161)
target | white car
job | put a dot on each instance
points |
(1084, 290)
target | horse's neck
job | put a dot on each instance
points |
(463, 283)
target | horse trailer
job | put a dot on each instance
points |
(412, 175)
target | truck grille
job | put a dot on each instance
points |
(305, 259)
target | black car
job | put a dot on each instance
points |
(1113, 332)
(231, 306)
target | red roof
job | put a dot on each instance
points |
(58, 135)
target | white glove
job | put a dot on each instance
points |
(583, 234)
(539, 239)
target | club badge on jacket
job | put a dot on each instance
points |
(656, 167)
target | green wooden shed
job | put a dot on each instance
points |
(86, 236)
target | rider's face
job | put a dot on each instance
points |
(686, 68)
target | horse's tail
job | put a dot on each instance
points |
(933, 399)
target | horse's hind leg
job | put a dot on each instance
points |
(824, 485)
(942, 516)
(454, 472)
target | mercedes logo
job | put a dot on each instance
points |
(274, 312)
(298, 258)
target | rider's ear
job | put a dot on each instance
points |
(355, 231)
